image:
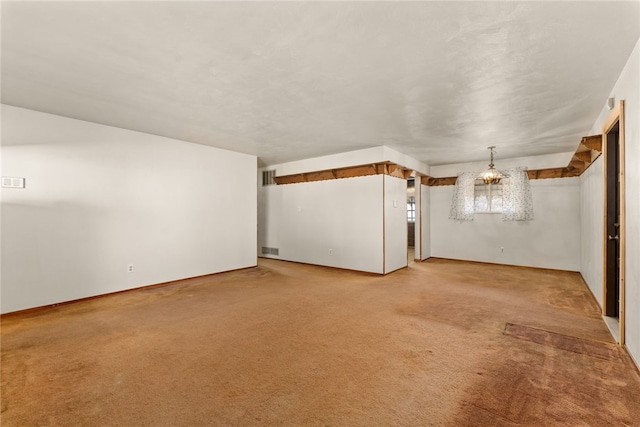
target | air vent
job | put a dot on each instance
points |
(267, 177)
(270, 251)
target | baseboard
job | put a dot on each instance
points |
(155, 285)
(502, 264)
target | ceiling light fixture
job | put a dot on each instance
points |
(491, 175)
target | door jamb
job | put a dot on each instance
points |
(616, 116)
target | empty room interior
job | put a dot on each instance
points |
(320, 213)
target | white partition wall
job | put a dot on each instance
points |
(395, 223)
(99, 199)
(417, 247)
(357, 223)
(425, 203)
(336, 223)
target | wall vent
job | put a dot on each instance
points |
(267, 177)
(270, 251)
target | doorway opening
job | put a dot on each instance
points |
(411, 219)
(614, 219)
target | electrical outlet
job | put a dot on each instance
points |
(330, 251)
(502, 250)
(130, 268)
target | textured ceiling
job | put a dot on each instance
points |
(439, 81)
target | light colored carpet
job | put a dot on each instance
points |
(295, 345)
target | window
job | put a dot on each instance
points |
(487, 197)
(512, 197)
(411, 209)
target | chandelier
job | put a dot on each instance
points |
(491, 175)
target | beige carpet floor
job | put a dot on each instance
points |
(440, 343)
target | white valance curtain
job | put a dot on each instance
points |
(517, 203)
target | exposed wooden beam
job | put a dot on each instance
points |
(319, 176)
(397, 172)
(593, 142)
(354, 171)
(288, 179)
(584, 156)
(589, 149)
(382, 168)
(578, 164)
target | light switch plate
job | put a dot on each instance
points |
(12, 182)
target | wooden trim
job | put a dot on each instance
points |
(384, 228)
(622, 231)
(616, 116)
(108, 294)
(604, 224)
(529, 267)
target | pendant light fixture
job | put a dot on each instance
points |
(491, 175)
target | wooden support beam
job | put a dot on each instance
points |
(578, 164)
(450, 180)
(397, 172)
(593, 142)
(319, 176)
(289, 179)
(549, 173)
(354, 171)
(382, 168)
(584, 156)
(589, 149)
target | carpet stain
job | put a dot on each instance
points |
(602, 350)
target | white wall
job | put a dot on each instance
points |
(627, 88)
(307, 221)
(425, 201)
(354, 217)
(591, 223)
(395, 223)
(99, 198)
(417, 232)
(551, 240)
